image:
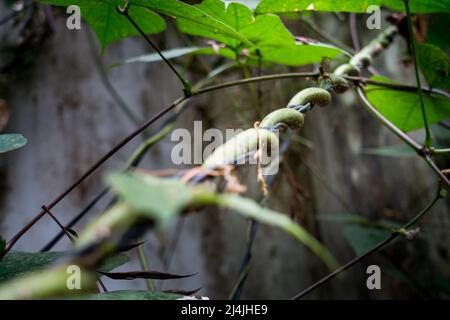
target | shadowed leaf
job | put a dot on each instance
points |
(403, 108)
(362, 238)
(156, 275)
(9, 142)
(16, 263)
(130, 295)
(183, 292)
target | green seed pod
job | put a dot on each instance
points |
(315, 96)
(347, 70)
(291, 117)
(338, 83)
(241, 144)
(362, 58)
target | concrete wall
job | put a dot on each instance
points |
(70, 120)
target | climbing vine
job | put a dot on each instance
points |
(245, 38)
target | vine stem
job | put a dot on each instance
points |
(143, 260)
(440, 151)
(395, 86)
(139, 130)
(412, 43)
(186, 85)
(256, 79)
(354, 32)
(128, 111)
(423, 152)
(380, 118)
(180, 100)
(394, 235)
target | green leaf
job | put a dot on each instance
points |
(251, 209)
(286, 6)
(397, 151)
(434, 64)
(403, 108)
(298, 54)
(108, 24)
(9, 142)
(130, 295)
(275, 6)
(114, 262)
(16, 263)
(419, 6)
(362, 238)
(162, 199)
(267, 35)
(194, 15)
(178, 52)
(2, 247)
(159, 199)
(440, 21)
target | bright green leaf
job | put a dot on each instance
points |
(130, 295)
(434, 64)
(267, 33)
(285, 6)
(362, 239)
(419, 6)
(238, 17)
(198, 18)
(297, 54)
(108, 24)
(403, 108)
(16, 263)
(9, 142)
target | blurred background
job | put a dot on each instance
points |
(57, 90)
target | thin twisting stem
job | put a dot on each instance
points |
(143, 260)
(428, 140)
(396, 86)
(186, 85)
(413, 221)
(354, 31)
(421, 151)
(380, 118)
(257, 79)
(440, 151)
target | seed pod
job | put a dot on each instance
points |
(362, 58)
(243, 143)
(315, 96)
(347, 70)
(338, 83)
(290, 117)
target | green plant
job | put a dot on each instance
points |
(249, 39)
